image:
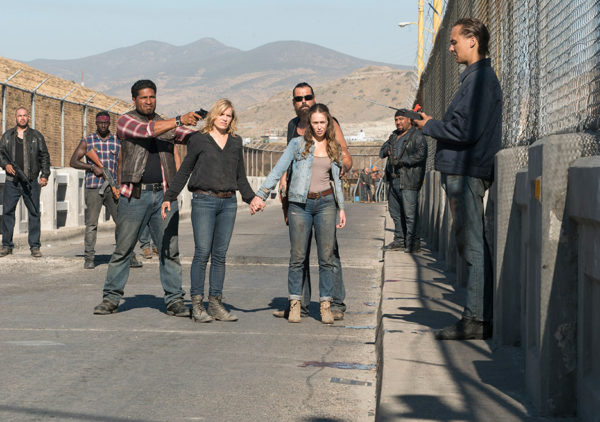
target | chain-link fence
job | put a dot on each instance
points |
(546, 55)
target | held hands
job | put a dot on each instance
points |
(256, 205)
(164, 208)
(342, 222)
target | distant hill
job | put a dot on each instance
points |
(196, 74)
(392, 87)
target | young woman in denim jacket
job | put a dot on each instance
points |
(315, 160)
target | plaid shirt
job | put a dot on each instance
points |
(129, 127)
(108, 151)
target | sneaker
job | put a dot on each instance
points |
(466, 329)
(105, 308)
(337, 314)
(394, 246)
(88, 264)
(36, 253)
(134, 263)
(147, 253)
(178, 308)
(5, 251)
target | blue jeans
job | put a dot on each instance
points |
(320, 214)
(13, 190)
(133, 215)
(338, 290)
(465, 196)
(212, 220)
(402, 204)
(145, 238)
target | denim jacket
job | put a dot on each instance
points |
(301, 174)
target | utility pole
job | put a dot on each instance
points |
(420, 49)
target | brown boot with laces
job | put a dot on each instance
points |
(199, 313)
(326, 316)
(294, 315)
(218, 311)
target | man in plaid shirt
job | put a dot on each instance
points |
(107, 146)
(147, 167)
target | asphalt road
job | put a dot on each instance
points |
(59, 362)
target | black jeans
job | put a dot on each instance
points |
(13, 190)
(402, 204)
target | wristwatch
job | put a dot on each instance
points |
(178, 121)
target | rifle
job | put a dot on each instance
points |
(20, 175)
(108, 179)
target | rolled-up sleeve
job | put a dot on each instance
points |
(129, 127)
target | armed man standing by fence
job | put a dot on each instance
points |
(23, 155)
(468, 138)
(147, 169)
(406, 150)
(101, 181)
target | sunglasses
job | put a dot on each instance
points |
(299, 98)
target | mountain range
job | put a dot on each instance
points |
(195, 75)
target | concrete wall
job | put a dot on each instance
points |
(546, 251)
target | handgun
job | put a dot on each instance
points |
(202, 113)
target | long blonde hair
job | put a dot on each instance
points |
(216, 110)
(333, 147)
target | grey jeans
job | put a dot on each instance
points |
(465, 196)
(93, 206)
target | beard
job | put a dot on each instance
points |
(302, 113)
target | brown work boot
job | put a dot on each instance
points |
(294, 312)
(199, 314)
(282, 314)
(5, 251)
(218, 311)
(36, 253)
(105, 308)
(326, 316)
(147, 253)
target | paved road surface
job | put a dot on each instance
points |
(61, 362)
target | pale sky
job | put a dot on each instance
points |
(66, 29)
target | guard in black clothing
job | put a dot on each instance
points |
(23, 154)
(406, 150)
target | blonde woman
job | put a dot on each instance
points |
(315, 159)
(214, 165)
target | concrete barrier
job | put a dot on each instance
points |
(584, 208)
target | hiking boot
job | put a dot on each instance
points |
(36, 253)
(88, 264)
(147, 253)
(155, 250)
(134, 263)
(326, 316)
(199, 314)
(466, 329)
(394, 246)
(178, 308)
(286, 312)
(218, 311)
(294, 311)
(5, 251)
(337, 314)
(105, 308)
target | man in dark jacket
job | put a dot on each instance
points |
(406, 150)
(468, 138)
(23, 155)
(147, 167)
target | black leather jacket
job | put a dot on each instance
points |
(407, 166)
(135, 153)
(35, 153)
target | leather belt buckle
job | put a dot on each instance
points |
(152, 187)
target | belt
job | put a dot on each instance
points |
(223, 194)
(153, 187)
(317, 195)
